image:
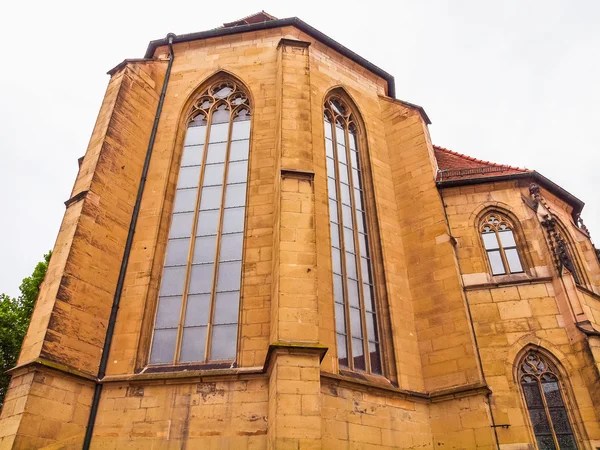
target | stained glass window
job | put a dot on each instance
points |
(199, 296)
(500, 245)
(544, 399)
(353, 293)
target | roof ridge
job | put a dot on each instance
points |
(482, 161)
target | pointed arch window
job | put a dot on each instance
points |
(500, 245)
(545, 402)
(199, 296)
(355, 310)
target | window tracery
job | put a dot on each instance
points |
(199, 296)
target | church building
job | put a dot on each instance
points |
(263, 249)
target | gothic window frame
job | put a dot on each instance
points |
(360, 237)
(543, 403)
(202, 152)
(494, 228)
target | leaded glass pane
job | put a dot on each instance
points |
(192, 156)
(233, 220)
(218, 133)
(330, 167)
(211, 198)
(566, 442)
(560, 420)
(235, 195)
(216, 153)
(338, 290)
(201, 277)
(238, 172)
(342, 350)
(181, 225)
(213, 175)
(345, 194)
(163, 346)
(514, 263)
(224, 342)
(196, 312)
(375, 358)
(335, 235)
(353, 295)
(241, 130)
(507, 239)
(545, 442)
(496, 262)
(490, 240)
(329, 148)
(351, 266)
(355, 323)
(231, 247)
(208, 222)
(192, 344)
(167, 315)
(349, 240)
(340, 318)
(227, 307)
(336, 260)
(177, 252)
(239, 150)
(358, 353)
(195, 136)
(552, 394)
(229, 276)
(172, 281)
(188, 177)
(185, 200)
(331, 189)
(204, 250)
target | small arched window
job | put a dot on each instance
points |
(355, 310)
(500, 245)
(545, 402)
(199, 297)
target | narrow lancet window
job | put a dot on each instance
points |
(355, 311)
(199, 296)
(545, 403)
(500, 245)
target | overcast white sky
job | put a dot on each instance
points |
(514, 82)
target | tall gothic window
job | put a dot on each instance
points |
(545, 403)
(355, 311)
(500, 245)
(199, 297)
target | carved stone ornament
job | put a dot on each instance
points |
(560, 249)
(534, 191)
(580, 224)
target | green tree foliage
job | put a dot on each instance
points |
(15, 314)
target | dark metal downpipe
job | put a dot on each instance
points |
(128, 244)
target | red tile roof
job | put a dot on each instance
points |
(456, 166)
(252, 18)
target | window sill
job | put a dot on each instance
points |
(186, 372)
(507, 280)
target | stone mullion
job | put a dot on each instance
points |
(188, 271)
(213, 293)
(361, 298)
(338, 194)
